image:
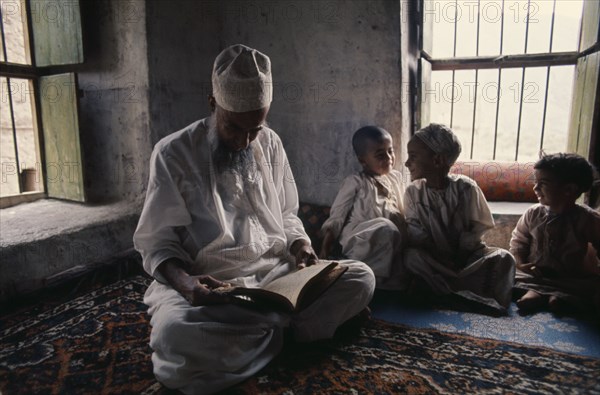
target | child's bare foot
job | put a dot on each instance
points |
(532, 301)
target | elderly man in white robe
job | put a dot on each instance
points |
(221, 208)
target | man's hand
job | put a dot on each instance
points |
(198, 290)
(529, 268)
(304, 253)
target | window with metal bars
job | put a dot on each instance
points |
(510, 77)
(39, 154)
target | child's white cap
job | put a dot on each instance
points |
(442, 140)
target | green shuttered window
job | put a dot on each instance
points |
(41, 154)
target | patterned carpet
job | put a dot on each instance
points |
(93, 340)
(576, 334)
(392, 359)
(95, 343)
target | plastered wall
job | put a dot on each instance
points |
(336, 67)
(114, 111)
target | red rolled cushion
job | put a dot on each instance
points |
(500, 181)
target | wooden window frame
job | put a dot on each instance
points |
(581, 139)
(36, 74)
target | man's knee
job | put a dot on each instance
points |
(168, 327)
(361, 276)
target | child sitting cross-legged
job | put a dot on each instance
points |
(556, 242)
(446, 216)
(366, 215)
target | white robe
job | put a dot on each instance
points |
(237, 229)
(366, 216)
(451, 222)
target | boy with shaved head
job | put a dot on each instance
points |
(367, 214)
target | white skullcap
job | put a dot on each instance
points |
(441, 140)
(241, 79)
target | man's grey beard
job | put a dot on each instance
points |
(225, 160)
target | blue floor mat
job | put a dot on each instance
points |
(579, 335)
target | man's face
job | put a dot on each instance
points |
(236, 130)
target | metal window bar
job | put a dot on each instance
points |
(507, 61)
(2, 33)
(499, 82)
(37, 98)
(14, 133)
(476, 80)
(522, 61)
(454, 55)
(522, 84)
(585, 71)
(547, 78)
(581, 50)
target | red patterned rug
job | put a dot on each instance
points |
(96, 342)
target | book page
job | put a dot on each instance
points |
(319, 284)
(293, 291)
(290, 285)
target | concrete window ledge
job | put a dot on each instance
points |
(509, 208)
(49, 240)
(506, 215)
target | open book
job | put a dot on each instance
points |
(293, 291)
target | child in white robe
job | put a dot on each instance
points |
(447, 215)
(367, 214)
(556, 243)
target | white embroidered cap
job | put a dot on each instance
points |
(241, 79)
(442, 140)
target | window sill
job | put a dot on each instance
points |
(25, 197)
(44, 241)
(506, 215)
(509, 208)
